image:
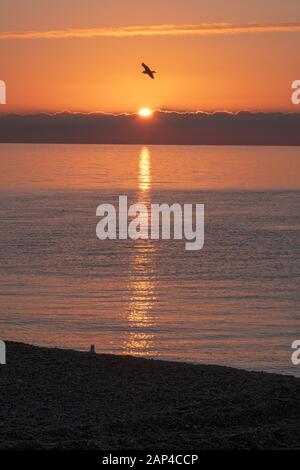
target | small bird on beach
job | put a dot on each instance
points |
(148, 71)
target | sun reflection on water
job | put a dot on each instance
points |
(143, 279)
(144, 171)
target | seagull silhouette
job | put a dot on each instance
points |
(148, 71)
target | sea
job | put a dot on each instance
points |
(235, 302)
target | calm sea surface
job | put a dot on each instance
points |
(235, 302)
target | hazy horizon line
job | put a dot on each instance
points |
(155, 30)
(136, 113)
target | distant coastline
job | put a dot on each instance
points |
(164, 128)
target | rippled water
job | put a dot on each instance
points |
(236, 302)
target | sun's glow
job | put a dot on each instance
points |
(145, 112)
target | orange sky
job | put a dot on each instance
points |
(247, 70)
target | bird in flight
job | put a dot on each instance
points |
(148, 71)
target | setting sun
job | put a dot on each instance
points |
(145, 112)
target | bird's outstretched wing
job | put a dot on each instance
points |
(147, 69)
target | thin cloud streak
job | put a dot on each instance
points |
(156, 30)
